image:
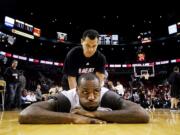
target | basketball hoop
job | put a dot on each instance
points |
(145, 71)
(146, 76)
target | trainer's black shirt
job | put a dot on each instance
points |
(76, 64)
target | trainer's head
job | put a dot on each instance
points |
(88, 89)
(89, 42)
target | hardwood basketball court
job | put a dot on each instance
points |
(163, 122)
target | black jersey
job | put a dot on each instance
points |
(76, 64)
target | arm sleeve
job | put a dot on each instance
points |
(7, 72)
(62, 103)
(111, 100)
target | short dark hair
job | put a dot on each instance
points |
(87, 76)
(90, 33)
(176, 68)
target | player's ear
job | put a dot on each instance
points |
(77, 88)
(82, 41)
